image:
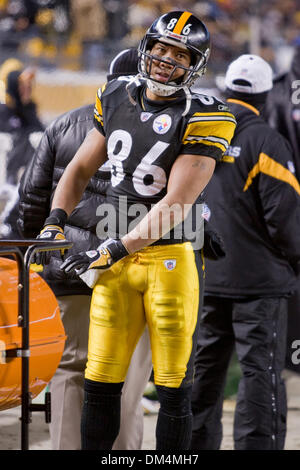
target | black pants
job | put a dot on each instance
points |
(257, 329)
(293, 330)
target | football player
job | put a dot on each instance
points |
(162, 141)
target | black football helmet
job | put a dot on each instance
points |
(181, 29)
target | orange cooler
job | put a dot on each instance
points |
(46, 335)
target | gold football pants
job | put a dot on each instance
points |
(158, 285)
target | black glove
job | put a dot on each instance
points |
(53, 230)
(108, 253)
(213, 244)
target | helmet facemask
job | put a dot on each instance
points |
(194, 71)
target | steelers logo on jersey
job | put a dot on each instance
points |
(162, 124)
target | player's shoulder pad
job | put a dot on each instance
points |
(107, 88)
(207, 104)
(116, 85)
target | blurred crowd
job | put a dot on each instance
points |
(86, 34)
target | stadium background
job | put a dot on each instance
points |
(71, 42)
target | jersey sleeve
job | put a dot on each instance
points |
(208, 134)
(98, 112)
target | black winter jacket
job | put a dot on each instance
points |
(254, 201)
(57, 147)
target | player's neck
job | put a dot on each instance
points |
(154, 97)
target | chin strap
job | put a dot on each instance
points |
(135, 80)
(161, 90)
(156, 89)
(188, 100)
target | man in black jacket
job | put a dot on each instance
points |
(282, 112)
(58, 146)
(253, 199)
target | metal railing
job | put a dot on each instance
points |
(10, 248)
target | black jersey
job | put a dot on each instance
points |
(144, 139)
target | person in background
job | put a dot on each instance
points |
(58, 145)
(282, 111)
(20, 132)
(254, 204)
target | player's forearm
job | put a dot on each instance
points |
(164, 216)
(88, 158)
(68, 199)
(187, 180)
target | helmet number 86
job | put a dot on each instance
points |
(186, 30)
(121, 141)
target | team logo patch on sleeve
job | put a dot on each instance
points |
(296, 115)
(206, 212)
(145, 116)
(162, 124)
(170, 264)
(291, 166)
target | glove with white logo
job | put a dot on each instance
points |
(53, 230)
(108, 253)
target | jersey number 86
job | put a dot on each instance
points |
(146, 170)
